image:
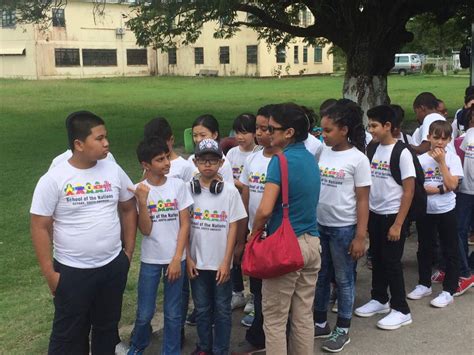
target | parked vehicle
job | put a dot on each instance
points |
(407, 63)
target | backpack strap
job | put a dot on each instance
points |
(284, 183)
(395, 161)
(405, 138)
(371, 148)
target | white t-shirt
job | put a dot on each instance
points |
(341, 172)
(182, 169)
(416, 136)
(254, 176)
(409, 139)
(210, 219)
(68, 154)
(368, 138)
(164, 204)
(385, 194)
(225, 170)
(440, 203)
(457, 131)
(83, 204)
(313, 145)
(467, 145)
(236, 158)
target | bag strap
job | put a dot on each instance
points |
(284, 184)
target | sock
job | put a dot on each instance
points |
(321, 325)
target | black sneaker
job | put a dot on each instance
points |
(336, 341)
(191, 318)
(322, 332)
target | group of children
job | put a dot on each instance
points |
(195, 215)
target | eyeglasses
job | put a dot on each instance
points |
(202, 161)
(272, 129)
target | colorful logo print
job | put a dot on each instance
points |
(87, 188)
(257, 178)
(206, 215)
(162, 206)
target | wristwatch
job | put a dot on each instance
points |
(441, 189)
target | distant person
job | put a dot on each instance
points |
(425, 105)
(312, 144)
(397, 129)
(163, 220)
(458, 129)
(441, 108)
(159, 128)
(79, 200)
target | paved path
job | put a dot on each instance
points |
(433, 331)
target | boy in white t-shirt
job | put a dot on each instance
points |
(79, 202)
(389, 204)
(159, 128)
(163, 219)
(442, 171)
(216, 211)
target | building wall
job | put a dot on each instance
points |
(82, 31)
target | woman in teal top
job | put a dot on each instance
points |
(294, 291)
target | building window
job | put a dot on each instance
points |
(305, 54)
(224, 57)
(318, 55)
(66, 57)
(295, 54)
(172, 58)
(199, 55)
(99, 57)
(58, 18)
(280, 54)
(252, 55)
(8, 18)
(137, 57)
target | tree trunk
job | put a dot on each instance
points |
(367, 90)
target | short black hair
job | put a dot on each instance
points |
(383, 114)
(265, 111)
(158, 127)
(79, 125)
(290, 115)
(426, 99)
(148, 149)
(399, 115)
(245, 123)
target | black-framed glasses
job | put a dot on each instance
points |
(272, 129)
(202, 161)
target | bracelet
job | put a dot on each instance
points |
(441, 189)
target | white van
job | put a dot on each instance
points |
(406, 63)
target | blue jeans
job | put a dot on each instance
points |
(212, 300)
(335, 242)
(464, 212)
(148, 282)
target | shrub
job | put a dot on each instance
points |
(429, 68)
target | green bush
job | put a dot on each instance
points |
(429, 68)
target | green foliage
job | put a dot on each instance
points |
(429, 68)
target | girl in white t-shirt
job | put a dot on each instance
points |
(207, 127)
(442, 172)
(244, 128)
(343, 212)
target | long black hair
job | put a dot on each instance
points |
(291, 115)
(348, 113)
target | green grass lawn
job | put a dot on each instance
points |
(32, 132)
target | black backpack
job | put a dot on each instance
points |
(419, 202)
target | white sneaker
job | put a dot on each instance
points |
(442, 300)
(419, 292)
(372, 308)
(249, 307)
(238, 300)
(121, 348)
(394, 320)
